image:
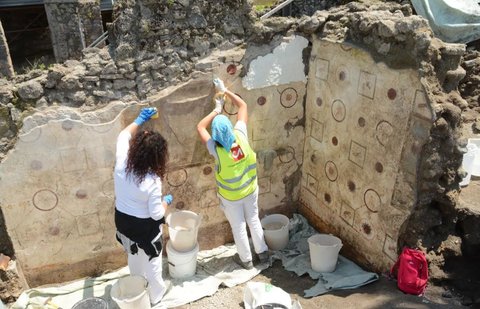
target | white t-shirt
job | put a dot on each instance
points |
(141, 201)
(240, 126)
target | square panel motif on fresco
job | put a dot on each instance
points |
(316, 130)
(421, 107)
(209, 198)
(347, 213)
(312, 184)
(322, 69)
(264, 185)
(369, 135)
(73, 159)
(366, 84)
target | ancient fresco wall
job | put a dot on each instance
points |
(58, 199)
(365, 125)
(57, 192)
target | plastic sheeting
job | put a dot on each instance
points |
(453, 21)
(296, 258)
(214, 268)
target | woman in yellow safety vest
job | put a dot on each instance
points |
(235, 174)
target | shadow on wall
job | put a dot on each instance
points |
(6, 246)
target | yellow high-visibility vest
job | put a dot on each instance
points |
(236, 179)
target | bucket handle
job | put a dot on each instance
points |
(340, 245)
(194, 257)
(200, 218)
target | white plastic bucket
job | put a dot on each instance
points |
(324, 251)
(467, 163)
(181, 264)
(275, 229)
(90, 303)
(183, 229)
(264, 295)
(130, 292)
(473, 147)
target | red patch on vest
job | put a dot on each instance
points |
(237, 153)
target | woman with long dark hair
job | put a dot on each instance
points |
(140, 166)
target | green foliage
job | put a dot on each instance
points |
(16, 99)
(37, 64)
(170, 2)
(261, 7)
(263, 4)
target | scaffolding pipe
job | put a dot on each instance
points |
(99, 40)
(276, 9)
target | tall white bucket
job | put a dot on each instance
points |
(473, 148)
(183, 230)
(467, 163)
(181, 264)
(130, 292)
(275, 230)
(324, 251)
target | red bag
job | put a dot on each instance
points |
(412, 269)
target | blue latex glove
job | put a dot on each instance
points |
(168, 199)
(145, 114)
(219, 85)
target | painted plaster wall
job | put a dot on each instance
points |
(191, 174)
(58, 201)
(365, 125)
(353, 149)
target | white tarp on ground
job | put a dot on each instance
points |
(453, 21)
(214, 268)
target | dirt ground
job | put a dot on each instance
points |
(380, 294)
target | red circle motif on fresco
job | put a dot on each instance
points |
(45, 200)
(319, 101)
(331, 171)
(232, 69)
(392, 94)
(361, 122)
(261, 100)
(207, 170)
(289, 97)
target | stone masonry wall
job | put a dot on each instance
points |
(137, 69)
(74, 24)
(6, 67)
(309, 7)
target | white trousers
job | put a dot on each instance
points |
(151, 270)
(239, 214)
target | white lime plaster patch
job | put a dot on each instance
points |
(283, 66)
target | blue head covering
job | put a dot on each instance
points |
(222, 131)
